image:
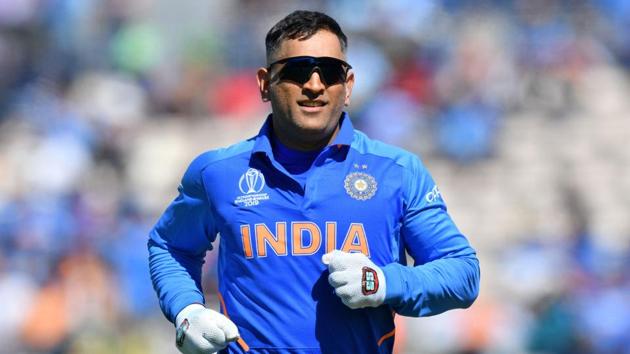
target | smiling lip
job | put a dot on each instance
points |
(312, 106)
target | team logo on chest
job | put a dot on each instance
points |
(251, 185)
(360, 185)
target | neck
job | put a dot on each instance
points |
(309, 144)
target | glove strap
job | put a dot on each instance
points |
(180, 335)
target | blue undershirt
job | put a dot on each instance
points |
(297, 163)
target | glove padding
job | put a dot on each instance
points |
(356, 279)
(202, 330)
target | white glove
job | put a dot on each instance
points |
(202, 330)
(357, 281)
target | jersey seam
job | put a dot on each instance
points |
(213, 212)
(207, 164)
(392, 159)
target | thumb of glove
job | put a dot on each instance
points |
(328, 258)
(228, 327)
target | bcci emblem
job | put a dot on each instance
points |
(360, 185)
(252, 181)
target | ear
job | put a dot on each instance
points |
(262, 77)
(349, 84)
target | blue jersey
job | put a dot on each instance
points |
(361, 196)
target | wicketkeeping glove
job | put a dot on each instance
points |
(202, 330)
(356, 279)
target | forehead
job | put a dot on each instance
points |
(322, 44)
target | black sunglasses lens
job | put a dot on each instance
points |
(299, 70)
(332, 71)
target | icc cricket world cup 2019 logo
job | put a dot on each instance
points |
(251, 185)
(252, 181)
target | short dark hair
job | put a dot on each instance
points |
(302, 25)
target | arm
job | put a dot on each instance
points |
(178, 243)
(446, 270)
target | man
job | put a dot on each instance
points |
(315, 219)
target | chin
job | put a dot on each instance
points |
(316, 128)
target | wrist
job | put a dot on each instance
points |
(396, 287)
(383, 283)
(186, 311)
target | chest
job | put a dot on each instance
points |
(353, 206)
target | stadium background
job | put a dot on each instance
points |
(520, 110)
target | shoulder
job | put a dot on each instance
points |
(404, 158)
(217, 156)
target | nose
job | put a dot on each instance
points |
(314, 85)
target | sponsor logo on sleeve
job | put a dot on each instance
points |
(433, 195)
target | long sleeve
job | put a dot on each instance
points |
(178, 243)
(445, 274)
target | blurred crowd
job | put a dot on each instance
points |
(518, 108)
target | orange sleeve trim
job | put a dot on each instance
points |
(386, 336)
(240, 340)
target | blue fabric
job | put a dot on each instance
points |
(361, 195)
(297, 163)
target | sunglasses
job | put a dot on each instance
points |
(299, 69)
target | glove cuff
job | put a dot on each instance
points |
(382, 286)
(186, 311)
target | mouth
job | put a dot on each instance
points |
(311, 105)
